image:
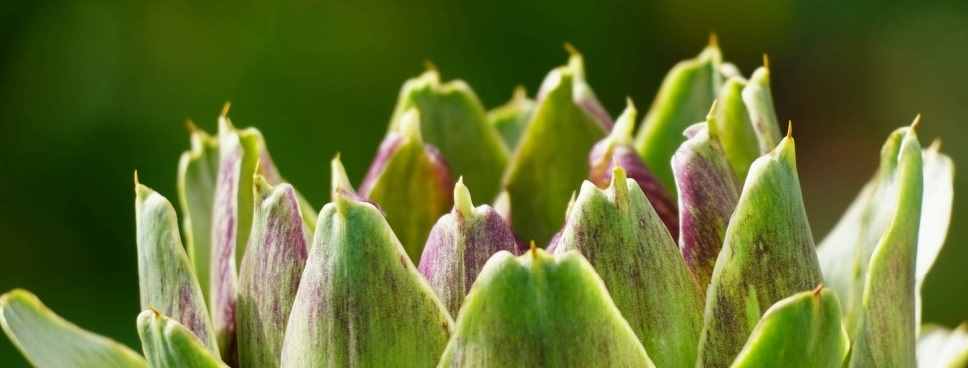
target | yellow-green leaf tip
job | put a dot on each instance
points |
(462, 199)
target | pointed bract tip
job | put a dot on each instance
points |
(789, 129)
(533, 250)
(713, 40)
(625, 124)
(766, 61)
(339, 181)
(429, 66)
(519, 93)
(916, 123)
(410, 125)
(572, 51)
(935, 145)
(190, 126)
(262, 186)
(818, 289)
(463, 203)
(619, 185)
(618, 175)
(225, 109)
(712, 110)
(136, 181)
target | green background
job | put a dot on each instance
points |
(91, 90)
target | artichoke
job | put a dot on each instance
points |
(685, 243)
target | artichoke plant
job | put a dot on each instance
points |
(684, 243)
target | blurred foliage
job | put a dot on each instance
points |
(91, 90)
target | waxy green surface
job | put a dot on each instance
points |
(453, 119)
(361, 301)
(413, 188)
(197, 173)
(768, 255)
(511, 119)
(48, 341)
(884, 332)
(802, 331)
(269, 275)
(165, 278)
(168, 344)
(550, 160)
(683, 99)
(539, 310)
(621, 235)
(845, 253)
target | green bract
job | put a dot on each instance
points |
(683, 244)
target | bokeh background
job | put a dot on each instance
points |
(91, 90)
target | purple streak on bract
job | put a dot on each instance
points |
(594, 108)
(482, 236)
(707, 196)
(224, 236)
(625, 157)
(383, 154)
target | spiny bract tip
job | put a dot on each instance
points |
(225, 109)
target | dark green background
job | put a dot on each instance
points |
(91, 90)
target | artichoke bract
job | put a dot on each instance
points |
(361, 301)
(707, 197)
(270, 274)
(167, 343)
(548, 163)
(685, 243)
(511, 119)
(624, 239)
(453, 120)
(616, 151)
(762, 260)
(459, 245)
(803, 330)
(165, 278)
(539, 310)
(47, 340)
(683, 99)
(406, 171)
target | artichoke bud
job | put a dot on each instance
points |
(683, 99)
(549, 161)
(453, 120)
(707, 196)
(459, 245)
(269, 274)
(411, 183)
(165, 278)
(763, 259)
(167, 343)
(617, 230)
(511, 119)
(539, 310)
(616, 150)
(361, 302)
